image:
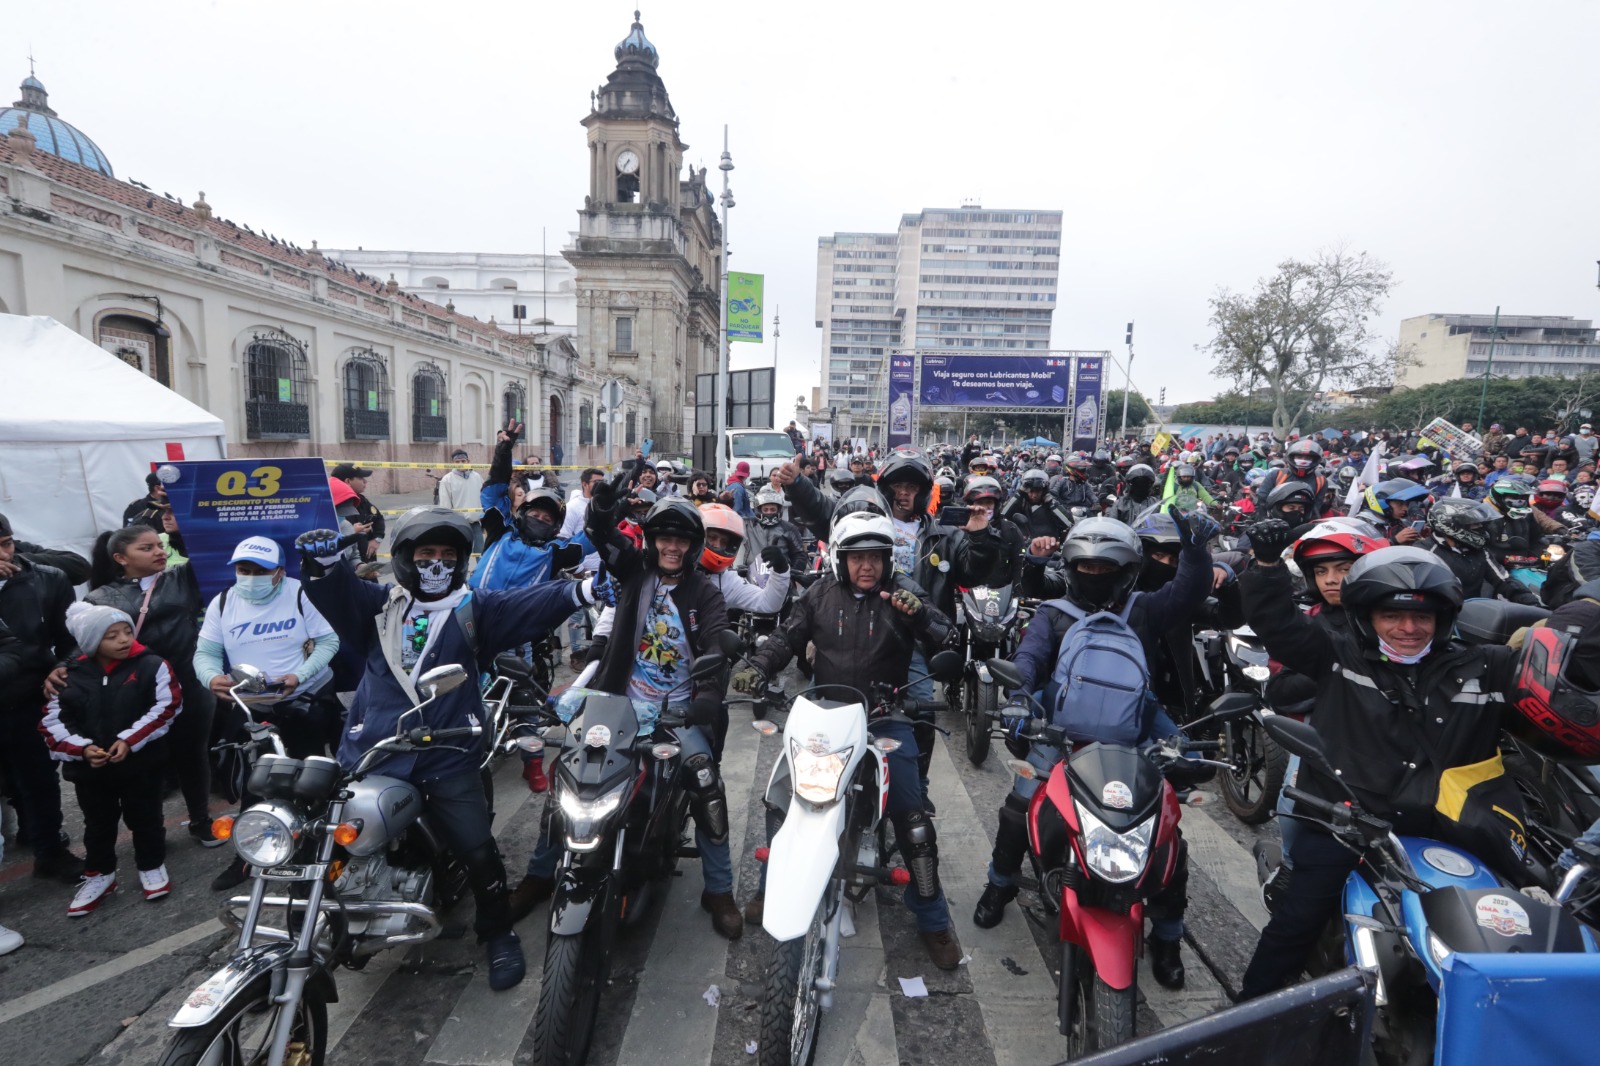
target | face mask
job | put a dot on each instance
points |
(1395, 656)
(434, 577)
(1585, 432)
(1155, 574)
(768, 520)
(535, 530)
(1094, 590)
(254, 588)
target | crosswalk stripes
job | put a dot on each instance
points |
(860, 1027)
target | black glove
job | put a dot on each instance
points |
(1269, 537)
(1198, 529)
(603, 498)
(703, 711)
(776, 561)
(565, 557)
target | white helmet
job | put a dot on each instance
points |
(859, 531)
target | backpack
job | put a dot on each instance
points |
(1098, 689)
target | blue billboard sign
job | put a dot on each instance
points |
(901, 400)
(1086, 403)
(994, 380)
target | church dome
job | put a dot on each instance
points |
(637, 46)
(50, 134)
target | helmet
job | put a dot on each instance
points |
(860, 531)
(1395, 490)
(1053, 457)
(1401, 578)
(1102, 456)
(1078, 465)
(1332, 542)
(769, 496)
(1291, 492)
(1464, 466)
(1583, 495)
(1140, 470)
(1247, 460)
(1156, 529)
(642, 499)
(1305, 455)
(1462, 520)
(1123, 463)
(979, 488)
(1105, 540)
(908, 466)
(1256, 477)
(429, 525)
(679, 517)
(1510, 496)
(1033, 479)
(1347, 475)
(722, 517)
(841, 480)
(861, 498)
(1185, 470)
(980, 464)
(1559, 715)
(1553, 487)
(535, 529)
(947, 487)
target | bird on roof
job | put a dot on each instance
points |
(169, 196)
(149, 203)
(140, 184)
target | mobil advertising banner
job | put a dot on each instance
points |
(1086, 402)
(902, 375)
(994, 380)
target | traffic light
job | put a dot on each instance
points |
(1163, 400)
(1129, 340)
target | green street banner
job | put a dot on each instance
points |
(744, 307)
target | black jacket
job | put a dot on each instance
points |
(33, 607)
(1390, 730)
(75, 566)
(860, 639)
(171, 629)
(785, 535)
(136, 700)
(145, 511)
(1046, 519)
(1579, 566)
(1479, 578)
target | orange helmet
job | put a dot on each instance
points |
(721, 516)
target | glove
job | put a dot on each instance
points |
(703, 711)
(597, 589)
(1268, 539)
(1199, 529)
(776, 561)
(1015, 715)
(906, 602)
(603, 498)
(562, 558)
(748, 679)
(319, 549)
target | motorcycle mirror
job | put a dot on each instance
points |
(442, 679)
(1299, 738)
(247, 678)
(945, 665)
(1005, 672)
(707, 666)
(1231, 705)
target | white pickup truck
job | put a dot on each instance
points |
(764, 449)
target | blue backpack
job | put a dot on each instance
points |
(1098, 689)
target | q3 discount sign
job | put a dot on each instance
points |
(218, 503)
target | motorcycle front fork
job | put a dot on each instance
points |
(303, 960)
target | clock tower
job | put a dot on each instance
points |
(648, 248)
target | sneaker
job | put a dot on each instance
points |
(236, 874)
(95, 888)
(943, 948)
(1166, 962)
(506, 964)
(991, 906)
(528, 894)
(1274, 887)
(10, 940)
(60, 866)
(756, 909)
(155, 883)
(201, 833)
(725, 916)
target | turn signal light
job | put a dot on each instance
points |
(345, 833)
(900, 876)
(762, 853)
(335, 869)
(222, 828)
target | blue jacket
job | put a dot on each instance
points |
(510, 562)
(362, 612)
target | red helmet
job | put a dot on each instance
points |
(721, 516)
(1333, 540)
(1556, 716)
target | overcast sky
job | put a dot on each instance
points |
(1191, 145)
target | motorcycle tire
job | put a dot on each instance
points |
(243, 1031)
(1102, 1016)
(981, 703)
(1252, 794)
(575, 970)
(791, 1010)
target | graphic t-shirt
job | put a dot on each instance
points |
(269, 636)
(661, 665)
(905, 545)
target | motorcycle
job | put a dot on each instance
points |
(1103, 837)
(1236, 661)
(621, 812)
(991, 622)
(830, 851)
(1410, 904)
(359, 867)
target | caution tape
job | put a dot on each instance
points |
(373, 464)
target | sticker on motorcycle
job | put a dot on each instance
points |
(1118, 795)
(1504, 915)
(819, 744)
(598, 736)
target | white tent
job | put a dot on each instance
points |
(79, 429)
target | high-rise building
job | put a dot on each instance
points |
(950, 280)
(1444, 347)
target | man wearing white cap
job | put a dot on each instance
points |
(263, 620)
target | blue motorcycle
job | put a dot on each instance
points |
(1411, 905)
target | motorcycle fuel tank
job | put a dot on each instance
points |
(385, 807)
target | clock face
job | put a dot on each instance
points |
(627, 163)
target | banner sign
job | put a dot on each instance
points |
(994, 380)
(744, 307)
(218, 503)
(1453, 439)
(902, 374)
(1086, 402)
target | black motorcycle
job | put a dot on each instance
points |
(1237, 661)
(991, 621)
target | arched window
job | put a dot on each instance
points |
(631, 436)
(366, 396)
(429, 418)
(277, 387)
(585, 423)
(513, 403)
(503, 283)
(436, 283)
(556, 415)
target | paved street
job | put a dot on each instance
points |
(99, 989)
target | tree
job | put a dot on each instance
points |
(1138, 411)
(1233, 409)
(1305, 328)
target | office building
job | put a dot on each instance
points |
(1445, 347)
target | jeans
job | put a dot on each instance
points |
(36, 791)
(926, 736)
(1289, 828)
(459, 813)
(1300, 914)
(130, 793)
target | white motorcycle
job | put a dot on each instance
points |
(831, 790)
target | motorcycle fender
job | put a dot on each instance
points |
(800, 863)
(576, 895)
(983, 674)
(214, 994)
(1111, 940)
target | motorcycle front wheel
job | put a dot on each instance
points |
(1102, 1016)
(791, 1008)
(242, 1034)
(575, 969)
(981, 703)
(1251, 788)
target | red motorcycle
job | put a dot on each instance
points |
(1103, 836)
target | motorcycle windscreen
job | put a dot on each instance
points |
(1517, 1008)
(1497, 921)
(1119, 784)
(599, 748)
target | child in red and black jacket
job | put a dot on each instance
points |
(107, 725)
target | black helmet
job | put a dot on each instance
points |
(841, 481)
(1305, 455)
(1290, 492)
(532, 527)
(861, 498)
(1464, 466)
(673, 515)
(1105, 540)
(546, 500)
(1464, 521)
(429, 525)
(1512, 495)
(978, 488)
(908, 466)
(1401, 578)
(1138, 470)
(1102, 456)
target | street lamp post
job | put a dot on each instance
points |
(720, 421)
(1483, 395)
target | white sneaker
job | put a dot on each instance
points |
(91, 891)
(155, 882)
(10, 940)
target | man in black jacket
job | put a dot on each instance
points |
(33, 607)
(148, 509)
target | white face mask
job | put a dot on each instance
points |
(1396, 656)
(434, 577)
(254, 588)
(1585, 432)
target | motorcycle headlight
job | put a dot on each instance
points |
(1257, 673)
(817, 775)
(266, 834)
(585, 818)
(1115, 857)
